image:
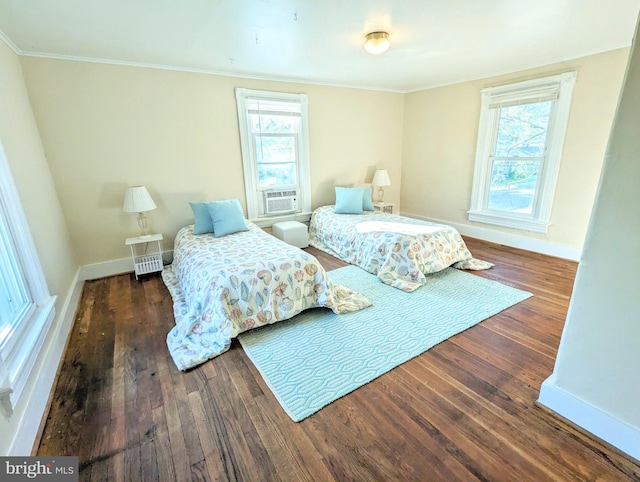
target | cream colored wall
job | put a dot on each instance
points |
(36, 189)
(105, 127)
(440, 135)
(32, 176)
(595, 379)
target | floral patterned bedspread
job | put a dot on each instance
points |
(398, 249)
(224, 286)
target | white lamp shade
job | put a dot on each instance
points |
(381, 178)
(138, 200)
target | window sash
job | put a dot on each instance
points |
(11, 273)
(498, 117)
(261, 163)
(492, 158)
(489, 200)
(16, 303)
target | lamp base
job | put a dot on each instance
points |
(380, 194)
(142, 223)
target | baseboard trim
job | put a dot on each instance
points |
(611, 430)
(38, 393)
(114, 267)
(509, 239)
(106, 268)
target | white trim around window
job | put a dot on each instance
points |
(557, 89)
(22, 339)
(276, 103)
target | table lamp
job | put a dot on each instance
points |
(138, 200)
(380, 179)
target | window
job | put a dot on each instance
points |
(520, 140)
(275, 150)
(26, 308)
(14, 301)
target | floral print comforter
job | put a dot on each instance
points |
(398, 249)
(224, 286)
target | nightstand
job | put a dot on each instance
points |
(145, 262)
(384, 207)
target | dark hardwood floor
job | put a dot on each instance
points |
(464, 410)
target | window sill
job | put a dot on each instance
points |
(509, 222)
(268, 221)
(21, 360)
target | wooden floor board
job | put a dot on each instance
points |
(464, 410)
(494, 410)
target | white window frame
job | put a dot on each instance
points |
(558, 88)
(19, 349)
(254, 195)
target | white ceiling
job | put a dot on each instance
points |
(433, 42)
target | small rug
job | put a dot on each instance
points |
(317, 357)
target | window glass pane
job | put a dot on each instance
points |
(272, 174)
(276, 160)
(13, 296)
(277, 124)
(522, 130)
(275, 149)
(513, 186)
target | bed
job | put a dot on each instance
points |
(398, 249)
(223, 286)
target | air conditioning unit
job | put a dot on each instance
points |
(280, 201)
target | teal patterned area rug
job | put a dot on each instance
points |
(317, 357)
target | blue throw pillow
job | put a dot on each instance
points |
(227, 217)
(349, 200)
(203, 222)
(367, 204)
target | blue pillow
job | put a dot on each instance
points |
(349, 200)
(367, 204)
(203, 222)
(227, 217)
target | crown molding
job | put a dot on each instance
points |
(9, 43)
(292, 80)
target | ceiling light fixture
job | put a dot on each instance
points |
(376, 43)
